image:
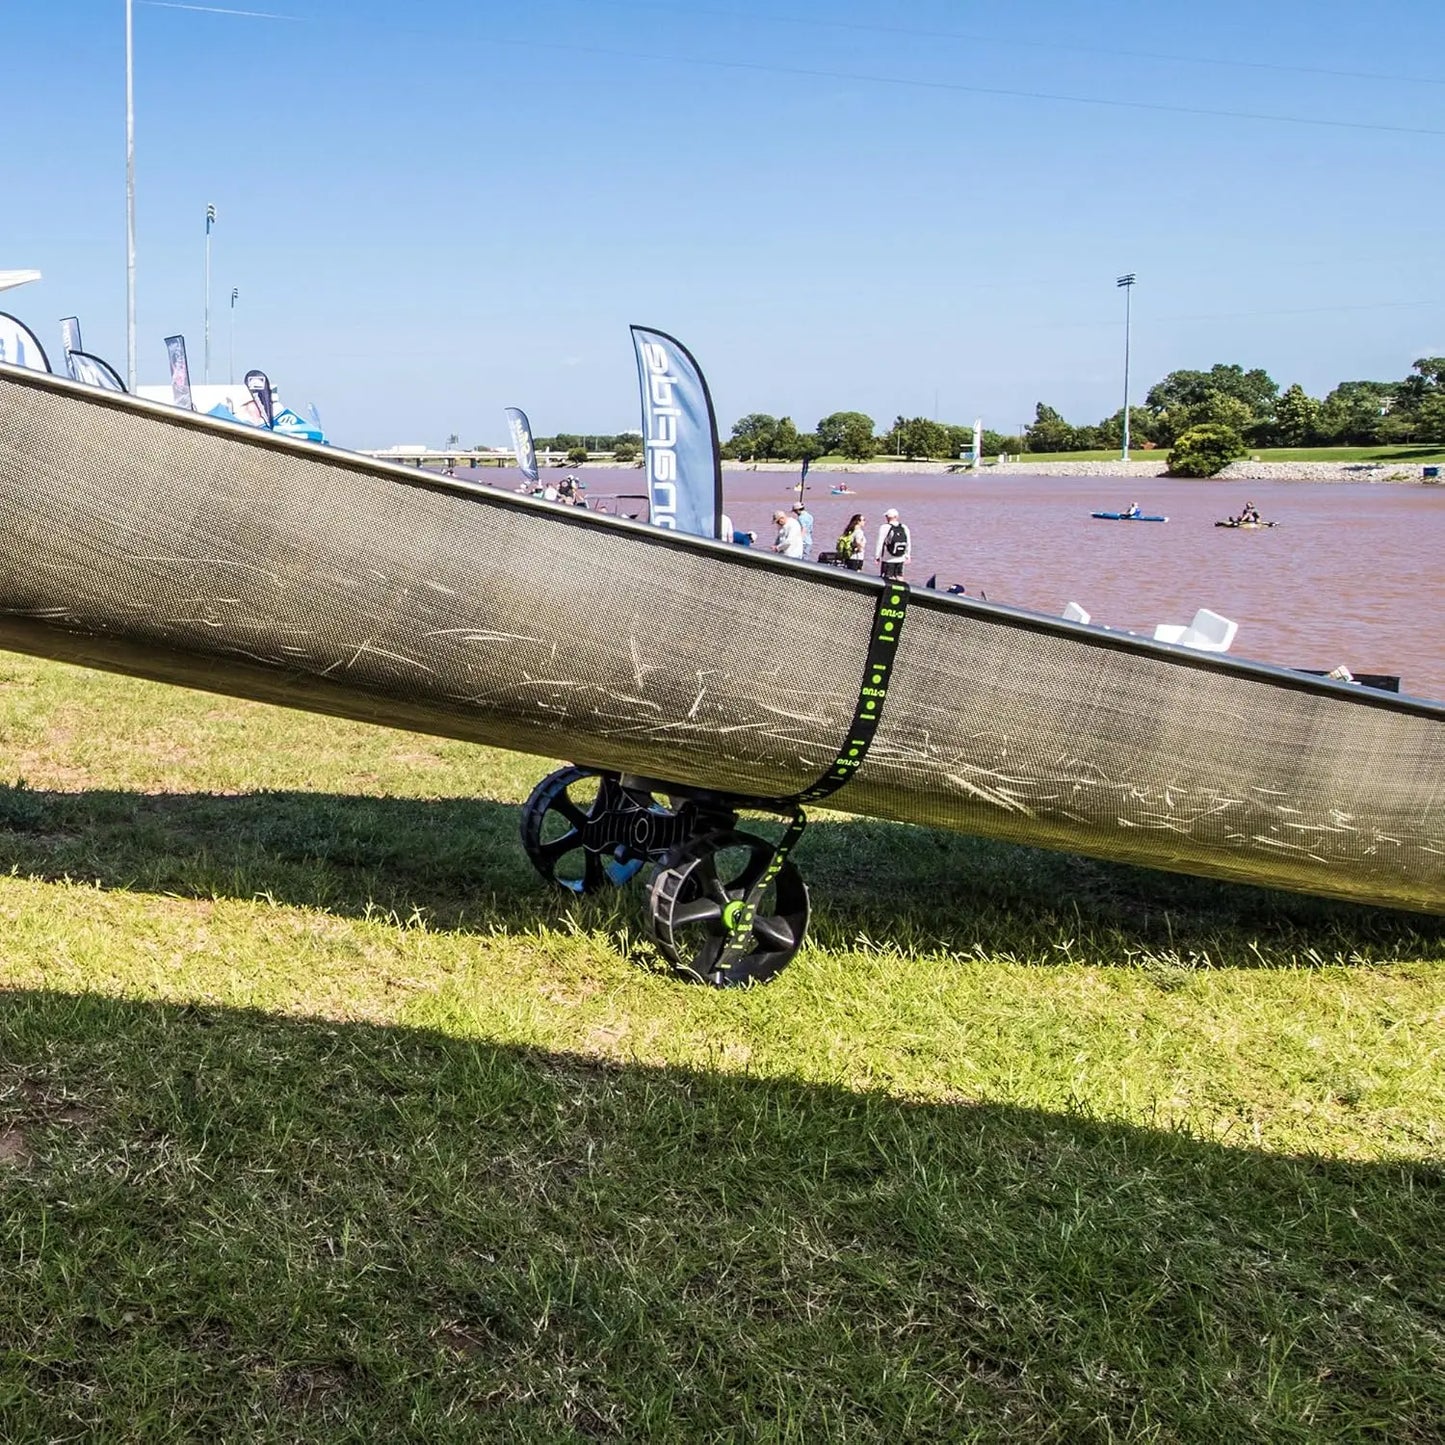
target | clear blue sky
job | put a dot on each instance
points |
(434, 210)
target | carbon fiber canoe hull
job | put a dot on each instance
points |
(145, 540)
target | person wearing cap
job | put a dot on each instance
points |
(789, 542)
(805, 521)
(895, 545)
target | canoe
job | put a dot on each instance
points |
(150, 541)
(1125, 517)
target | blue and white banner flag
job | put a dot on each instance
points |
(19, 345)
(70, 334)
(679, 432)
(92, 371)
(180, 372)
(259, 385)
(522, 443)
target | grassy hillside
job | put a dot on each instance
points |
(321, 1120)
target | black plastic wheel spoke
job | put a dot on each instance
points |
(572, 811)
(775, 932)
(592, 875)
(697, 910)
(550, 852)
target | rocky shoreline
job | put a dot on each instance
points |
(1242, 471)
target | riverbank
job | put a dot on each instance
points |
(1241, 471)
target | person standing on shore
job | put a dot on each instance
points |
(895, 545)
(789, 542)
(805, 521)
(853, 543)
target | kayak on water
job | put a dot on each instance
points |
(1243, 526)
(1126, 517)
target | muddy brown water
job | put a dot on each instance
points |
(1352, 573)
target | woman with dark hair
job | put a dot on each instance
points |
(852, 543)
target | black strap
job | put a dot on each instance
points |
(872, 691)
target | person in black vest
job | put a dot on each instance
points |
(895, 546)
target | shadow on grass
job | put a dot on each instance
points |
(219, 1224)
(458, 864)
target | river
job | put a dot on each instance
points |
(1352, 573)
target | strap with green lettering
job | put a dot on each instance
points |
(873, 692)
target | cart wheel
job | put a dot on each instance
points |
(553, 820)
(696, 903)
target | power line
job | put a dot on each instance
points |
(908, 32)
(955, 88)
(1245, 315)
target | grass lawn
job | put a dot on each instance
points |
(1410, 456)
(320, 1120)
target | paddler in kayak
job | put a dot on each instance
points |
(1133, 510)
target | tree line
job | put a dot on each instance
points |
(1251, 405)
(1245, 406)
(1239, 409)
(851, 434)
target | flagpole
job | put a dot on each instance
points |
(210, 221)
(231, 372)
(129, 198)
(1127, 282)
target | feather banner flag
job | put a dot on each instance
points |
(679, 431)
(180, 372)
(522, 443)
(19, 345)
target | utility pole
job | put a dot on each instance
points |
(210, 221)
(129, 199)
(1127, 282)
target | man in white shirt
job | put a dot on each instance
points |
(805, 521)
(895, 545)
(790, 535)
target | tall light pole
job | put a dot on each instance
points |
(1127, 282)
(231, 372)
(129, 200)
(210, 221)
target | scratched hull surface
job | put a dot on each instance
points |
(144, 540)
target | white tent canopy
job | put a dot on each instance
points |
(16, 278)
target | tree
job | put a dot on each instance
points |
(626, 448)
(1049, 432)
(453, 440)
(576, 456)
(1351, 414)
(1296, 417)
(834, 428)
(1432, 417)
(857, 442)
(786, 440)
(753, 435)
(920, 437)
(1204, 450)
(1141, 428)
(1214, 408)
(1172, 400)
